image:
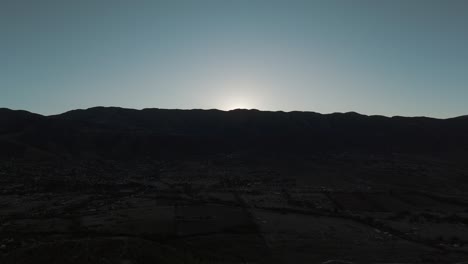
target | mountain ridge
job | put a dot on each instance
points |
(123, 132)
(242, 109)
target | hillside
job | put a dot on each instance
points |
(119, 132)
(115, 185)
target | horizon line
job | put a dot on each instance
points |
(231, 110)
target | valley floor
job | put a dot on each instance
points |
(235, 209)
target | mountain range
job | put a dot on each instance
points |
(115, 132)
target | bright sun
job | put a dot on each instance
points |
(235, 94)
(237, 103)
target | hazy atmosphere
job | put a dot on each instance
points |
(375, 57)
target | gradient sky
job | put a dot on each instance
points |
(394, 57)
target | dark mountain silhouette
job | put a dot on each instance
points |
(108, 184)
(120, 132)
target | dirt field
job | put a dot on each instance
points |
(229, 210)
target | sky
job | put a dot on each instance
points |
(386, 57)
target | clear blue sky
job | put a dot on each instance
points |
(390, 57)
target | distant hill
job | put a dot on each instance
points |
(125, 133)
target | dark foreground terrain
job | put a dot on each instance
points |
(112, 185)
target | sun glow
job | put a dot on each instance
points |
(238, 101)
(238, 95)
(237, 104)
(237, 91)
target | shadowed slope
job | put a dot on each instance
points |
(120, 132)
